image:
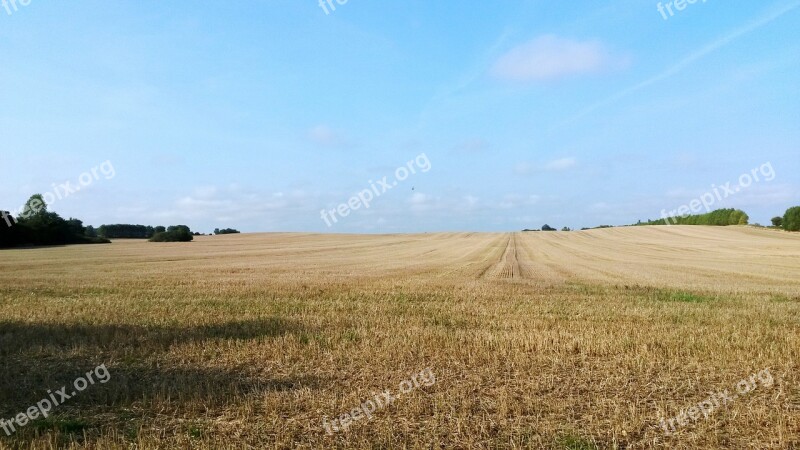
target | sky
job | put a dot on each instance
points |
(399, 116)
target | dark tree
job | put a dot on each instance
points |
(791, 220)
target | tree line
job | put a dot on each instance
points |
(35, 225)
(225, 231)
(719, 217)
(790, 221)
(127, 231)
(174, 233)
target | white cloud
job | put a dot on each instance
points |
(231, 205)
(512, 201)
(470, 201)
(551, 57)
(558, 165)
(419, 199)
(327, 136)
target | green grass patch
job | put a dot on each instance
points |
(785, 299)
(687, 297)
(195, 431)
(665, 295)
(572, 441)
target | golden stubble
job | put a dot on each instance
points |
(538, 340)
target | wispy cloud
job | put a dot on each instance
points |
(550, 57)
(464, 80)
(691, 58)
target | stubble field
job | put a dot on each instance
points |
(573, 340)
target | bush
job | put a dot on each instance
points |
(791, 220)
(176, 233)
(777, 221)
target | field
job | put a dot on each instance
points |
(575, 340)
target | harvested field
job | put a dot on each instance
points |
(573, 340)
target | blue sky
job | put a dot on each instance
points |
(258, 115)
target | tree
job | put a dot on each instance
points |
(34, 206)
(566, 229)
(791, 220)
(547, 227)
(777, 221)
(76, 227)
(225, 231)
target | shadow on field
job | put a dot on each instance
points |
(19, 337)
(37, 357)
